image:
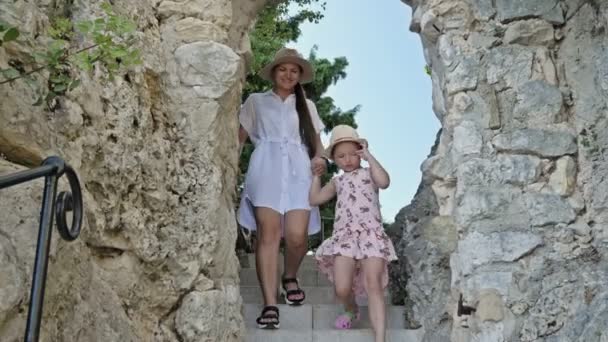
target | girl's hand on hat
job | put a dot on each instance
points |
(364, 152)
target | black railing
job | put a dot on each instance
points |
(52, 169)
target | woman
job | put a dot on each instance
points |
(285, 128)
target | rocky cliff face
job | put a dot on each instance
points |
(156, 154)
(518, 175)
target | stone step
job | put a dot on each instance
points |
(365, 335)
(325, 314)
(354, 335)
(314, 295)
(291, 317)
(279, 335)
(248, 277)
(320, 316)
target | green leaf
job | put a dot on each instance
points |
(11, 34)
(31, 82)
(39, 101)
(98, 25)
(50, 96)
(129, 27)
(59, 78)
(84, 27)
(118, 52)
(73, 85)
(10, 73)
(40, 58)
(106, 7)
(60, 88)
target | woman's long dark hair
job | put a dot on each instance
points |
(307, 130)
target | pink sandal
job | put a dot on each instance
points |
(346, 320)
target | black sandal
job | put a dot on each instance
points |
(290, 293)
(269, 319)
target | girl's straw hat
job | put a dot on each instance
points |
(286, 55)
(342, 133)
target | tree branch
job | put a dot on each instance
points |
(45, 66)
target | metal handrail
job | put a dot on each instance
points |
(51, 169)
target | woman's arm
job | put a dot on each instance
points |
(318, 195)
(242, 138)
(318, 162)
(318, 146)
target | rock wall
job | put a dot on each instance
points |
(155, 150)
(518, 175)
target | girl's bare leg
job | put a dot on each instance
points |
(344, 270)
(373, 270)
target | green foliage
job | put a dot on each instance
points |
(8, 34)
(590, 141)
(275, 28)
(427, 70)
(111, 40)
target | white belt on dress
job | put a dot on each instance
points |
(284, 143)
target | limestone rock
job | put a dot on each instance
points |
(538, 104)
(490, 307)
(478, 249)
(509, 10)
(530, 32)
(463, 76)
(209, 67)
(563, 179)
(547, 209)
(506, 169)
(545, 143)
(520, 170)
(509, 66)
(155, 152)
(210, 315)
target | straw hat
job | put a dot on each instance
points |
(342, 133)
(286, 55)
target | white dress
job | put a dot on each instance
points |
(279, 174)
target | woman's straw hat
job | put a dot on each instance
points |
(286, 55)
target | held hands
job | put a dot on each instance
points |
(318, 166)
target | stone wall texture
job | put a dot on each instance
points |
(511, 213)
(156, 152)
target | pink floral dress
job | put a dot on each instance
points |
(358, 231)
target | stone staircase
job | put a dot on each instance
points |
(314, 320)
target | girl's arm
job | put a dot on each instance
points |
(379, 175)
(318, 195)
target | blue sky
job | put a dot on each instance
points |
(386, 77)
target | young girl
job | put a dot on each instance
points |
(355, 258)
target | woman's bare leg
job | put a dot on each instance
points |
(267, 252)
(296, 244)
